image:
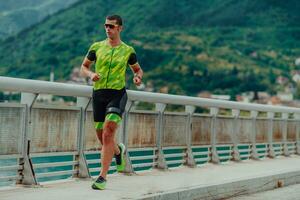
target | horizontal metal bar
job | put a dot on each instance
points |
(244, 145)
(51, 154)
(12, 156)
(56, 164)
(174, 148)
(10, 178)
(55, 107)
(244, 150)
(224, 151)
(263, 153)
(148, 112)
(262, 149)
(278, 143)
(10, 168)
(278, 148)
(261, 144)
(142, 149)
(201, 153)
(93, 161)
(92, 152)
(202, 159)
(176, 114)
(171, 162)
(64, 89)
(97, 169)
(224, 145)
(143, 157)
(291, 143)
(245, 156)
(11, 105)
(201, 115)
(174, 155)
(201, 146)
(225, 157)
(44, 87)
(58, 173)
(143, 165)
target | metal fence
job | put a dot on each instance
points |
(39, 142)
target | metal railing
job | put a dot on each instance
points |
(59, 141)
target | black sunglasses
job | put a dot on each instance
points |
(111, 26)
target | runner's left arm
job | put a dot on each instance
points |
(136, 69)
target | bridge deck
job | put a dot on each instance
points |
(177, 182)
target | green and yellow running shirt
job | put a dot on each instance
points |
(111, 63)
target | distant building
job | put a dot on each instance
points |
(275, 100)
(296, 75)
(282, 80)
(220, 97)
(75, 77)
(285, 96)
(206, 94)
(164, 89)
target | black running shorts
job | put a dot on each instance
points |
(106, 101)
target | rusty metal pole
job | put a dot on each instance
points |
(190, 161)
(28, 175)
(124, 127)
(214, 119)
(297, 117)
(270, 116)
(83, 170)
(285, 117)
(161, 161)
(254, 153)
(234, 138)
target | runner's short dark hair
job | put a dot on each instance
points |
(115, 17)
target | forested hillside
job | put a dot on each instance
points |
(226, 46)
(16, 15)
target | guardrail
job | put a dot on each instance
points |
(59, 141)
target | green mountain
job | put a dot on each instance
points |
(189, 46)
(16, 15)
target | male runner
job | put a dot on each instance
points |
(111, 57)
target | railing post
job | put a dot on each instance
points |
(128, 168)
(28, 175)
(236, 154)
(254, 154)
(285, 117)
(270, 116)
(190, 161)
(297, 117)
(161, 162)
(214, 113)
(83, 170)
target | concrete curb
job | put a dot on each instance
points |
(230, 189)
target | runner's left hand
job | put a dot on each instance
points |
(137, 80)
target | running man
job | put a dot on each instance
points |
(111, 57)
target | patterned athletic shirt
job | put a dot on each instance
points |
(111, 63)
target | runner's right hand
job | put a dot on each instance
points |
(94, 76)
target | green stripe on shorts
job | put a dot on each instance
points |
(113, 117)
(99, 125)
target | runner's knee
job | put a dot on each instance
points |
(108, 132)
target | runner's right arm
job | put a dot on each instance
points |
(85, 67)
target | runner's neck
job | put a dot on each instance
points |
(114, 43)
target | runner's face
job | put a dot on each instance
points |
(112, 29)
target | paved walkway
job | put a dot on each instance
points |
(291, 192)
(155, 182)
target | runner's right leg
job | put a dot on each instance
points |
(99, 133)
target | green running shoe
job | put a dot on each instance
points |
(120, 159)
(99, 184)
